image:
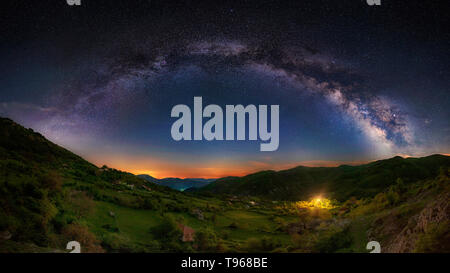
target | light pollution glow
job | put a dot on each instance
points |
(162, 169)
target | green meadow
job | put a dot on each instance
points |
(50, 196)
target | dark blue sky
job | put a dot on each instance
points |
(354, 84)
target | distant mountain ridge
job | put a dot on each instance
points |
(180, 184)
(341, 182)
(50, 196)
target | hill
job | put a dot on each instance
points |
(50, 196)
(179, 184)
(339, 183)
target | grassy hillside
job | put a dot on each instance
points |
(338, 183)
(50, 196)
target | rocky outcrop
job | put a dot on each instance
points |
(402, 236)
(436, 212)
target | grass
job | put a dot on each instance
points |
(134, 223)
(49, 196)
(358, 229)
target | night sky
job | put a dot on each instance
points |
(354, 82)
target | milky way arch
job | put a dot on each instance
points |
(303, 67)
(118, 78)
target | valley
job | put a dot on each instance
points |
(49, 196)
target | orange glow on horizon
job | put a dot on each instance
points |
(218, 168)
(213, 169)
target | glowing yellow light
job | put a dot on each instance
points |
(317, 202)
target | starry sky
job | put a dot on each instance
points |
(354, 82)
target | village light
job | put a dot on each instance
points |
(316, 202)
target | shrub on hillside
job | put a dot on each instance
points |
(167, 231)
(205, 240)
(264, 244)
(81, 234)
(333, 240)
(81, 204)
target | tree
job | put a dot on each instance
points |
(205, 240)
(167, 230)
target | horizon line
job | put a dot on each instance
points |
(308, 163)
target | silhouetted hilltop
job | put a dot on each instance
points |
(336, 182)
(180, 184)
